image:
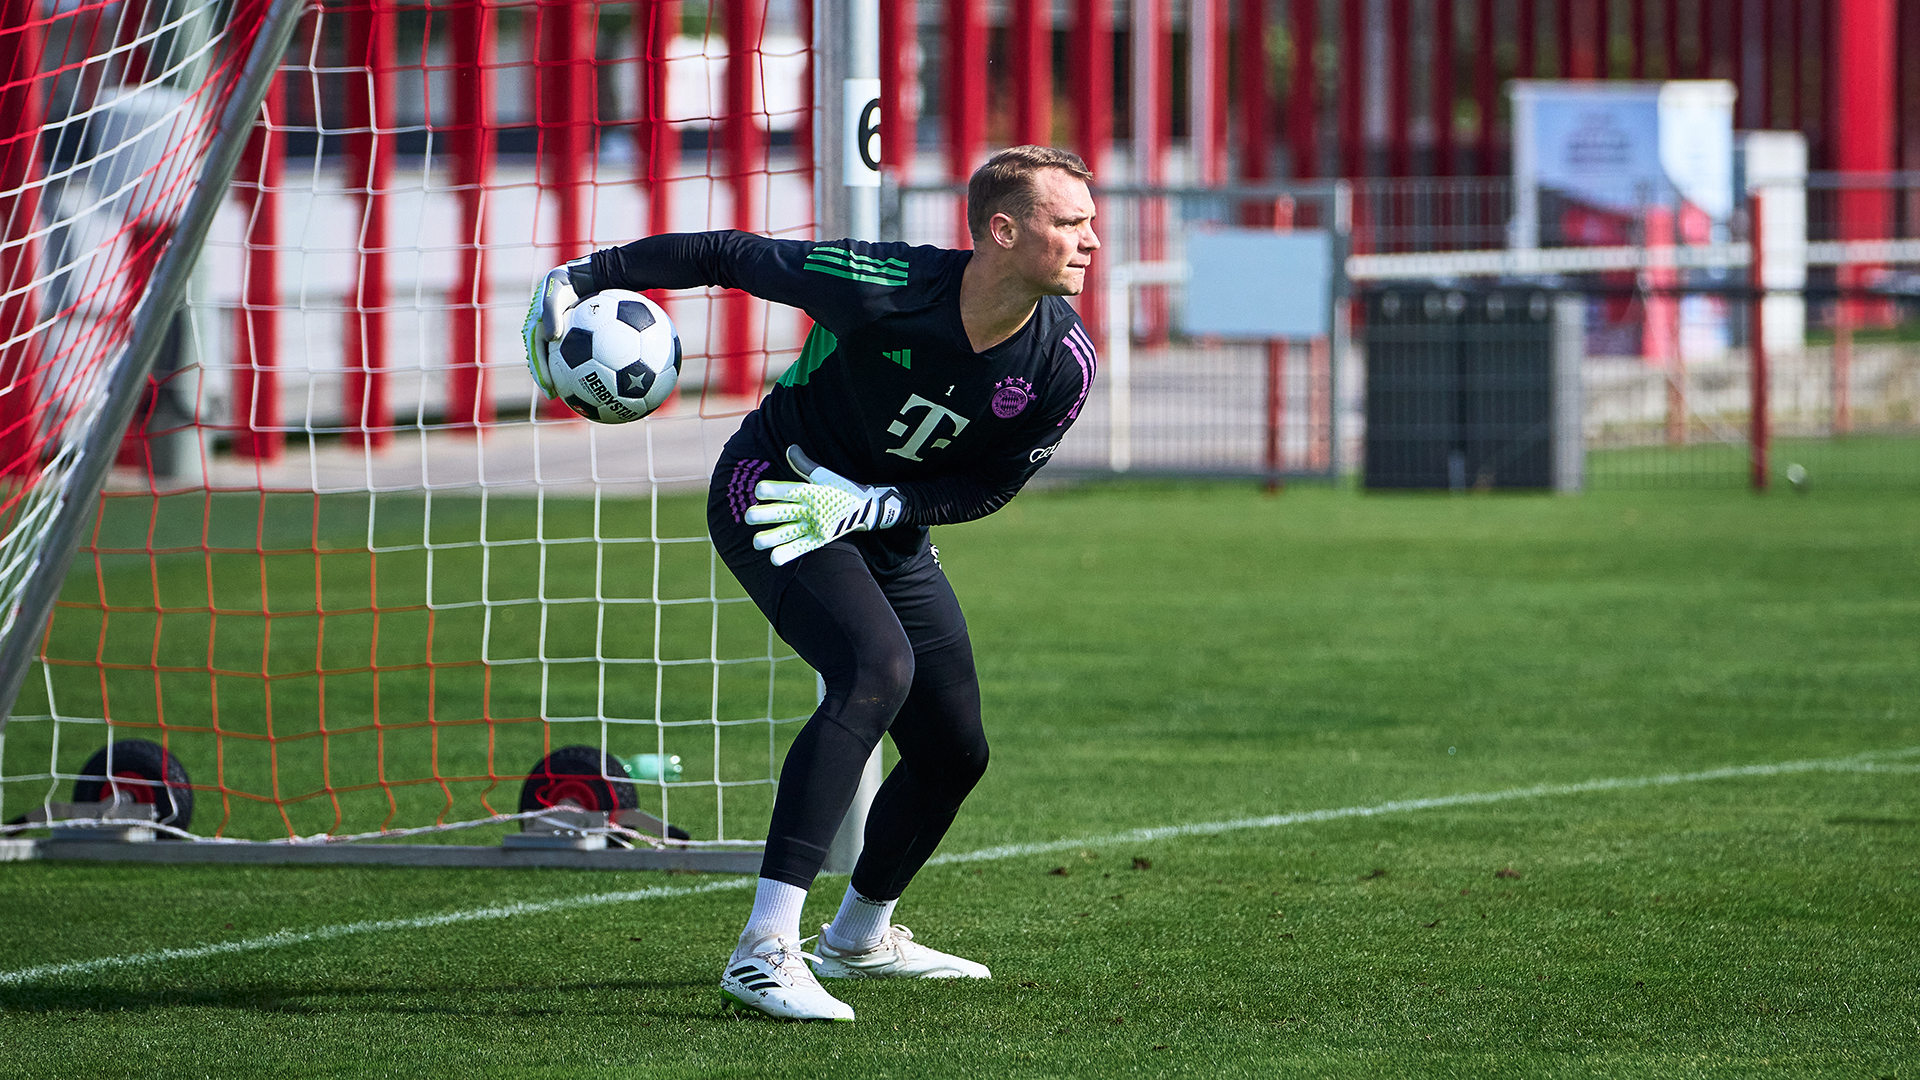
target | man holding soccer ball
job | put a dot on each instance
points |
(934, 383)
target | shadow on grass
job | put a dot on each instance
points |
(583, 999)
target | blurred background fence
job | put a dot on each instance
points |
(1660, 340)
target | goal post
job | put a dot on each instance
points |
(849, 135)
(56, 496)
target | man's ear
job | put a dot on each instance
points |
(1003, 229)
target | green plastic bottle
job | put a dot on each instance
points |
(652, 766)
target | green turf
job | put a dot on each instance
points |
(1722, 459)
(1162, 654)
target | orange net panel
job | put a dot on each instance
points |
(357, 575)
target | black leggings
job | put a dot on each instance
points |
(887, 637)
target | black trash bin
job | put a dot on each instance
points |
(1459, 388)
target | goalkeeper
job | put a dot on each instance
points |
(933, 384)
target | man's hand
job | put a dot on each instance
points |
(818, 512)
(553, 294)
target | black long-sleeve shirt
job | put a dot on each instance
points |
(887, 388)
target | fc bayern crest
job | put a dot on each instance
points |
(1010, 397)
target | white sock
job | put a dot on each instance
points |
(860, 924)
(776, 913)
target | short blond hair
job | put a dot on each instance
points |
(1005, 184)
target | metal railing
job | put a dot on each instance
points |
(1664, 335)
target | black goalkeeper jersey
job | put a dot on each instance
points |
(887, 388)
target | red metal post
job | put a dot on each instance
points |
(1602, 11)
(1703, 39)
(1319, 403)
(1758, 421)
(1746, 114)
(1637, 33)
(659, 142)
(369, 153)
(469, 403)
(1441, 81)
(1670, 40)
(256, 383)
(565, 115)
(662, 143)
(1528, 34)
(1276, 411)
(1030, 55)
(746, 174)
(1820, 151)
(1303, 133)
(1351, 103)
(1581, 55)
(966, 93)
(1864, 136)
(899, 31)
(1796, 44)
(1768, 46)
(1152, 116)
(1092, 65)
(1907, 113)
(1563, 35)
(568, 111)
(1256, 117)
(22, 103)
(1486, 88)
(1090, 59)
(1399, 88)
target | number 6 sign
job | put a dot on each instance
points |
(860, 158)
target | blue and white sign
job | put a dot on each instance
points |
(1258, 283)
(1615, 149)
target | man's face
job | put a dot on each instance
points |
(1054, 245)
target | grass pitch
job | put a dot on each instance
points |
(1165, 655)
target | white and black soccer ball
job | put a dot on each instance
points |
(618, 359)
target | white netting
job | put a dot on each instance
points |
(360, 579)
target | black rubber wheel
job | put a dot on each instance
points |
(139, 759)
(586, 776)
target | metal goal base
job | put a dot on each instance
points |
(732, 861)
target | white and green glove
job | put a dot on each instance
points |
(815, 514)
(553, 294)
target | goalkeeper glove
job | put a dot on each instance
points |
(553, 294)
(818, 512)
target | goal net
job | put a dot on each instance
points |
(352, 573)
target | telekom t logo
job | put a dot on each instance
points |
(928, 425)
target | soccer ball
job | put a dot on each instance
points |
(618, 359)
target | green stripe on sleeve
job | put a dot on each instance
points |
(819, 345)
(842, 263)
(851, 276)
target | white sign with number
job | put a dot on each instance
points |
(860, 157)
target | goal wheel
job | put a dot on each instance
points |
(143, 772)
(585, 776)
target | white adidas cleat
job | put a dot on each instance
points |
(772, 977)
(897, 956)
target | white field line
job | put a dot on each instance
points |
(1872, 762)
(1859, 763)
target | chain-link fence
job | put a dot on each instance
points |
(1635, 362)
